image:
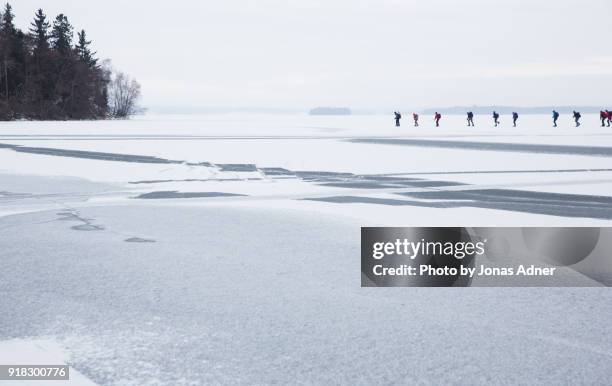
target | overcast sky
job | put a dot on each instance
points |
(358, 53)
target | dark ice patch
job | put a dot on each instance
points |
(68, 216)
(314, 176)
(493, 146)
(90, 155)
(88, 227)
(5, 194)
(428, 183)
(277, 172)
(177, 194)
(237, 167)
(139, 240)
(383, 178)
(509, 195)
(205, 164)
(150, 182)
(86, 223)
(387, 183)
(552, 204)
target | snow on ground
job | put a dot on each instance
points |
(225, 249)
(38, 352)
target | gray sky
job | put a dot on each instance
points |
(358, 53)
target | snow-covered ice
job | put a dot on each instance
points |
(225, 249)
(42, 352)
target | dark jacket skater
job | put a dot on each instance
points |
(514, 118)
(603, 115)
(577, 117)
(555, 116)
(470, 118)
(437, 118)
(398, 116)
(415, 116)
(496, 118)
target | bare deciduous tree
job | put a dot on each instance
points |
(124, 93)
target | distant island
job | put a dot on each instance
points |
(330, 111)
(44, 75)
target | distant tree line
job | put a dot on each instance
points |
(45, 73)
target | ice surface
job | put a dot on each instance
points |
(242, 266)
(45, 352)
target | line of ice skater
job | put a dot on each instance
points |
(605, 116)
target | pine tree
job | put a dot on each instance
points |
(82, 49)
(8, 27)
(39, 31)
(62, 34)
(13, 56)
(41, 74)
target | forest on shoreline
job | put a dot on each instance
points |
(47, 74)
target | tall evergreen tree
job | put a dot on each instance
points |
(82, 49)
(12, 52)
(62, 34)
(64, 70)
(41, 74)
(8, 16)
(39, 31)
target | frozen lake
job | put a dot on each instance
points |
(362, 165)
(224, 249)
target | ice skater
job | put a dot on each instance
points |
(398, 116)
(496, 118)
(609, 116)
(415, 116)
(603, 115)
(470, 118)
(514, 118)
(437, 118)
(577, 118)
(555, 118)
